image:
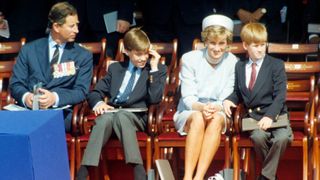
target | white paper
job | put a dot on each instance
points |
(127, 109)
(14, 107)
(5, 32)
(110, 21)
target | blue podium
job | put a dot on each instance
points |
(33, 146)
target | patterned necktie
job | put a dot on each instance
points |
(125, 95)
(253, 76)
(55, 56)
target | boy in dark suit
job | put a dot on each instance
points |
(130, 84)
(260, 84)
(62, 67)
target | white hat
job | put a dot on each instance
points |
(219, 20)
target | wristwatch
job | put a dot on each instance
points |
(263, 10)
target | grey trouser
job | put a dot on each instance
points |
(124, 124)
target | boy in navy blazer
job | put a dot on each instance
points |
(260, 84)
(122, 90)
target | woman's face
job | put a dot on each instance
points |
(217, 46)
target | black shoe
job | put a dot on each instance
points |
(82, 173)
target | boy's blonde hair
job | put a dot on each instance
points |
(254, 33)
(215, 32)
(136, 39)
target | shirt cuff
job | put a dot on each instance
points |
(95, 106)
(24, 98)
(57, 100)
(154, 70)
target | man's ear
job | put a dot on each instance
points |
(55, 27)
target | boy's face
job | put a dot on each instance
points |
(256, 51)
(217, 46)
(138, 58)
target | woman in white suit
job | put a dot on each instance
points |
(207, 78)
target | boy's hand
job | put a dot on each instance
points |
(102, 108)
(265, 123)
(154, 60)
(227, 105)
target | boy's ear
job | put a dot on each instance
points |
(125, 51)
(245, 45)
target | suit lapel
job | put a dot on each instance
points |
(68, 53)
(43, 59)
(263, 72)
(242, 78)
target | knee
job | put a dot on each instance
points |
(103, 121)
(281, 140)
(258, 136)
(120, 118)
(217, 123)
(197, 122)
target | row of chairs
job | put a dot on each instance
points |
(82, 121)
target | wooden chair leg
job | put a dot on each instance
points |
(305, 158)
(236, 160)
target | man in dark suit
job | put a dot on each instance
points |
(92, 25)
(62, 67)
(260, 84)
(263, 11)
(16, 11)
(130, 84)
(168, 19)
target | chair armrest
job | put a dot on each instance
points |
(75, 118)
(237, 118)
(152, 112)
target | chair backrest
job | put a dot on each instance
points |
(169, 53)
(5, 74)
(9, 50)
(235, 48)
(98, 49)
(290, 51)
(301, 87)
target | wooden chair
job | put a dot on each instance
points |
(301, 51)
(300, 100)
(5, 74)
(9, 50)
(98, 49)
(316, 137)
(113, 149)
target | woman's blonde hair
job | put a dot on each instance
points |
(254, 33)
(215, 32)
(136, 39)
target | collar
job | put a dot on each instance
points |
(52, 43)
(258, 62)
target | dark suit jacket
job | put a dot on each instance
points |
(96, 8)
(148, 90)
(33, 66)
(26, 18)
(269, 92)
(271, 19)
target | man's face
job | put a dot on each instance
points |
(68, 31)
(138, 58)
(256, 51)
(216, 47)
